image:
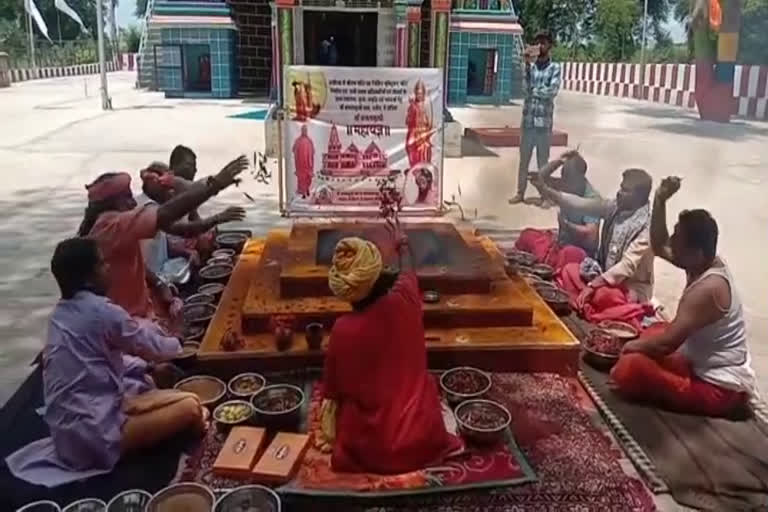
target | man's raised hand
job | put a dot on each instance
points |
(229, 174)
(669, 187)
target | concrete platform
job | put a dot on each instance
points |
(509, 137)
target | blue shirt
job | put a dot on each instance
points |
(576, 217)
(541, 85)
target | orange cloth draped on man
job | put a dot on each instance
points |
(377, 390)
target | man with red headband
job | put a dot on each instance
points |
(189, 238)
(114, 220)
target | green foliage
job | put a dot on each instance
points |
(131, 38)
(753, 38)
(615, 24)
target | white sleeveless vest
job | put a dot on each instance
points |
(718, 353)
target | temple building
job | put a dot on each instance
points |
(237, 48)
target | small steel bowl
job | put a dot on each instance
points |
(517, 258)
(431, 297)
(198, 314)
(40, 506)
(216, 273)
(249, 497)
(86, 505)
(543, 271)
(213, 289)
(621, 330)
(232, 384)
(187, 496)
(289, 418)
(129, 501)
(234, 241)
(480, 435)
(209, 389)
(224, 424)
(455, 397)
(194, 333)
(224, 253)
(200, 298)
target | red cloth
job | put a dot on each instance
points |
(109, 187)
(543, 244)
(118, 235)
(607, 303)
(670, 383)
(389, 418)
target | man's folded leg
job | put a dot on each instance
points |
(144, 429)
(669, 383)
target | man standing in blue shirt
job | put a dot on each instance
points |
(541, 85)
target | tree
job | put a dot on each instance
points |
(752, 40)
(615, 25)
(131, 37)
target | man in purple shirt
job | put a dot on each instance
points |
(91, 407)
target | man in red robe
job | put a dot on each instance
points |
(304, 160)
(387, 411)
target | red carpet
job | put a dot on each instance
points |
(555, 424)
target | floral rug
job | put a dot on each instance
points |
(577, 462)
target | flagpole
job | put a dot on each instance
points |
(31, 38)
(106, 102)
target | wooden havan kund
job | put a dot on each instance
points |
(483, 317)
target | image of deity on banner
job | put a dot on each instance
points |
(304, 162)
(419, 124)
(306, 94)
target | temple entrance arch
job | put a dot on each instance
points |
(340, 38)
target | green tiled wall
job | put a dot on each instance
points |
(222, 47)
(508, 78)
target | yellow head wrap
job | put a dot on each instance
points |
(356, 267)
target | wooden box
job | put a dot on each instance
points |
(240, 451)
(282, 457)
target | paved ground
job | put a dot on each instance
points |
(54, 138)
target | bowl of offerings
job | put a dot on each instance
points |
(86, 505)
(208, 389)
(188, 353)
(218, 260)
(557, 300)
(517, 258)
(193, 333)
(40, 506)
(199, 298)
(621, 330)
(186, 497)
(431, 297)
(249, 498)
(278, 406)
(212, 289)
(482, 421)
(246, 385)
(530, 277)
(543, 271)
(216, 272)
(602, 349)
(231, 413)
(234, 241)
(198, 314)
(132, 500)
(464, 383)
(230, 254)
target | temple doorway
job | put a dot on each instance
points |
(481, 72)
(340, 38)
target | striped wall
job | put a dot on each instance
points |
(22, 75)
(671, 84)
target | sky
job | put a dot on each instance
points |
(125, 17)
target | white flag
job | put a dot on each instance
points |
(66, 9)
(31, 8)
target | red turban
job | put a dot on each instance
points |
(107, 188)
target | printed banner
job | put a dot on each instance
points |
(347, 129)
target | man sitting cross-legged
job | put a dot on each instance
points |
(700, 363)
(93, 416)
(577, 233)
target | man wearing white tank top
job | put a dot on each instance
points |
(700, 363)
